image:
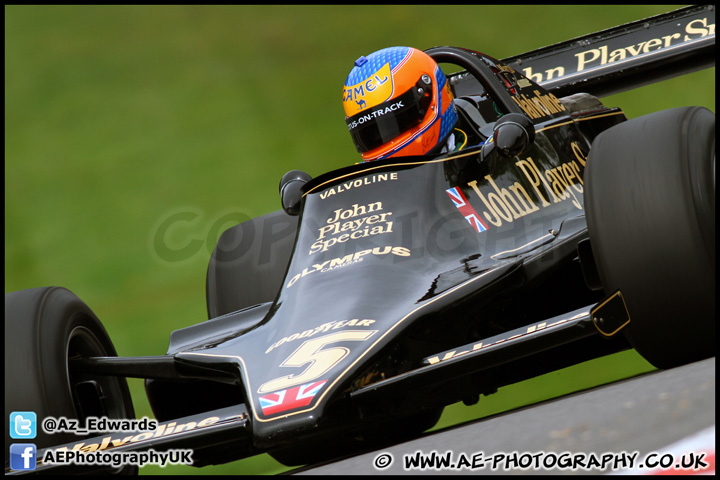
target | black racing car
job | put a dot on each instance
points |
(384, 291)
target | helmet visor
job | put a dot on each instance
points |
(378, 125)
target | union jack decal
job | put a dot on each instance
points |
(466, 210)
(290, 398)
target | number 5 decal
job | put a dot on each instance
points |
(321, 359)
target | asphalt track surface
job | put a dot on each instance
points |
(644, 414)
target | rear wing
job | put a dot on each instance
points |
(627, 56)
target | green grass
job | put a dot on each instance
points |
(117, 117)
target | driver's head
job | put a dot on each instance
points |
(397, 103)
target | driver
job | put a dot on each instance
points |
(397, 103)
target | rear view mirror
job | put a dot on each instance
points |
(513, 134)
(291, 190)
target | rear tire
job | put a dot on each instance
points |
(249, 263)
(44, 328)
(650, 205)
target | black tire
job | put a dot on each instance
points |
(650, 206)
(249, 263)
(44, 327)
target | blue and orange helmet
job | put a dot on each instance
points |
(397, 103)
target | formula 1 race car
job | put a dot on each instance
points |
(384, 291)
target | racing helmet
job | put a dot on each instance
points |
(397, 103)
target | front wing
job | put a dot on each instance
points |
(224, 435)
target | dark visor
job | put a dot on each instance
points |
(378, 125)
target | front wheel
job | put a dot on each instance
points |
(44, 329)
(650, 205)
